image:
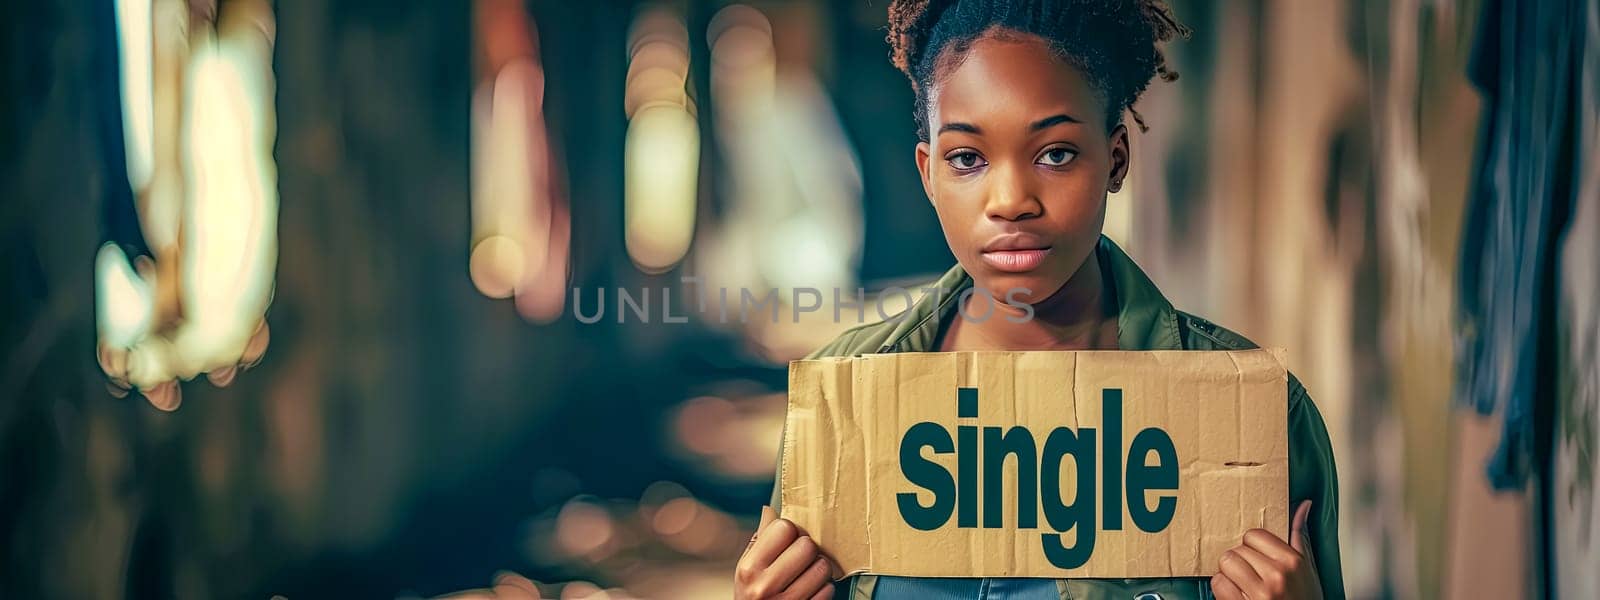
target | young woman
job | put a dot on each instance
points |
(1019, 111)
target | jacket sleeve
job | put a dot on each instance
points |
(1312, 476)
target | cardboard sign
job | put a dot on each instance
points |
(1037, 464)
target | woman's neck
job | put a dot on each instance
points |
(1082, 315)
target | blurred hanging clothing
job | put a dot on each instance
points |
(1528, 342)
(1526, 64)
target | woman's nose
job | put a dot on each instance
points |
(1011, 195)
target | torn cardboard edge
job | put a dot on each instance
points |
(886, 460)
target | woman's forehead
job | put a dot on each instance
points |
(1010, 77)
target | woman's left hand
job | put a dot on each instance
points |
(1266, 568)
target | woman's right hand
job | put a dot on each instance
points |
(781, 562)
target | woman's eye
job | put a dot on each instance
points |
(965, 161)
(1056, 157)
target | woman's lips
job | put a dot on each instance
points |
(1015, 261)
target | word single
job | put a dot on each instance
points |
(1039, 480)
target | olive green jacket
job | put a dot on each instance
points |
(1145, 321)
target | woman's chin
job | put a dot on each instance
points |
(1019, 288)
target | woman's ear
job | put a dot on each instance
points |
(925, 169)
(1121, 158)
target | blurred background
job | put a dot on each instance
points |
(287, 287)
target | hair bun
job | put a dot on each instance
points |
(1116, 44)
(909, 24)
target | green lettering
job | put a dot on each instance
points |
(1142, 476)
(1063, 517)
(928, 475)
(1017, 442)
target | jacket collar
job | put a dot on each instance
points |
(1145, 319)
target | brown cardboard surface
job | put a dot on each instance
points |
(1225, 412)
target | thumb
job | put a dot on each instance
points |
(1298, 538)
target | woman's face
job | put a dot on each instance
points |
(1019, 165)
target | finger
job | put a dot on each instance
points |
(813, 580)
(1298, 537)
(788, 567)
(826, 593)
(767, 516)
(771, 541)
(1260, 563)
(1275, 575)
(1239, 570)
(1261, 540)
(1225, 589)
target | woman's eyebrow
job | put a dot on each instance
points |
(961, 127)
(1047, 122)
(1052, 121)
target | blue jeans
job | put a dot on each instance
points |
(939, 588)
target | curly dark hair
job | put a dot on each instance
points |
(1114, 43)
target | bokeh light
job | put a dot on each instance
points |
(199, 128)
(520, 221)
(661, 160)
